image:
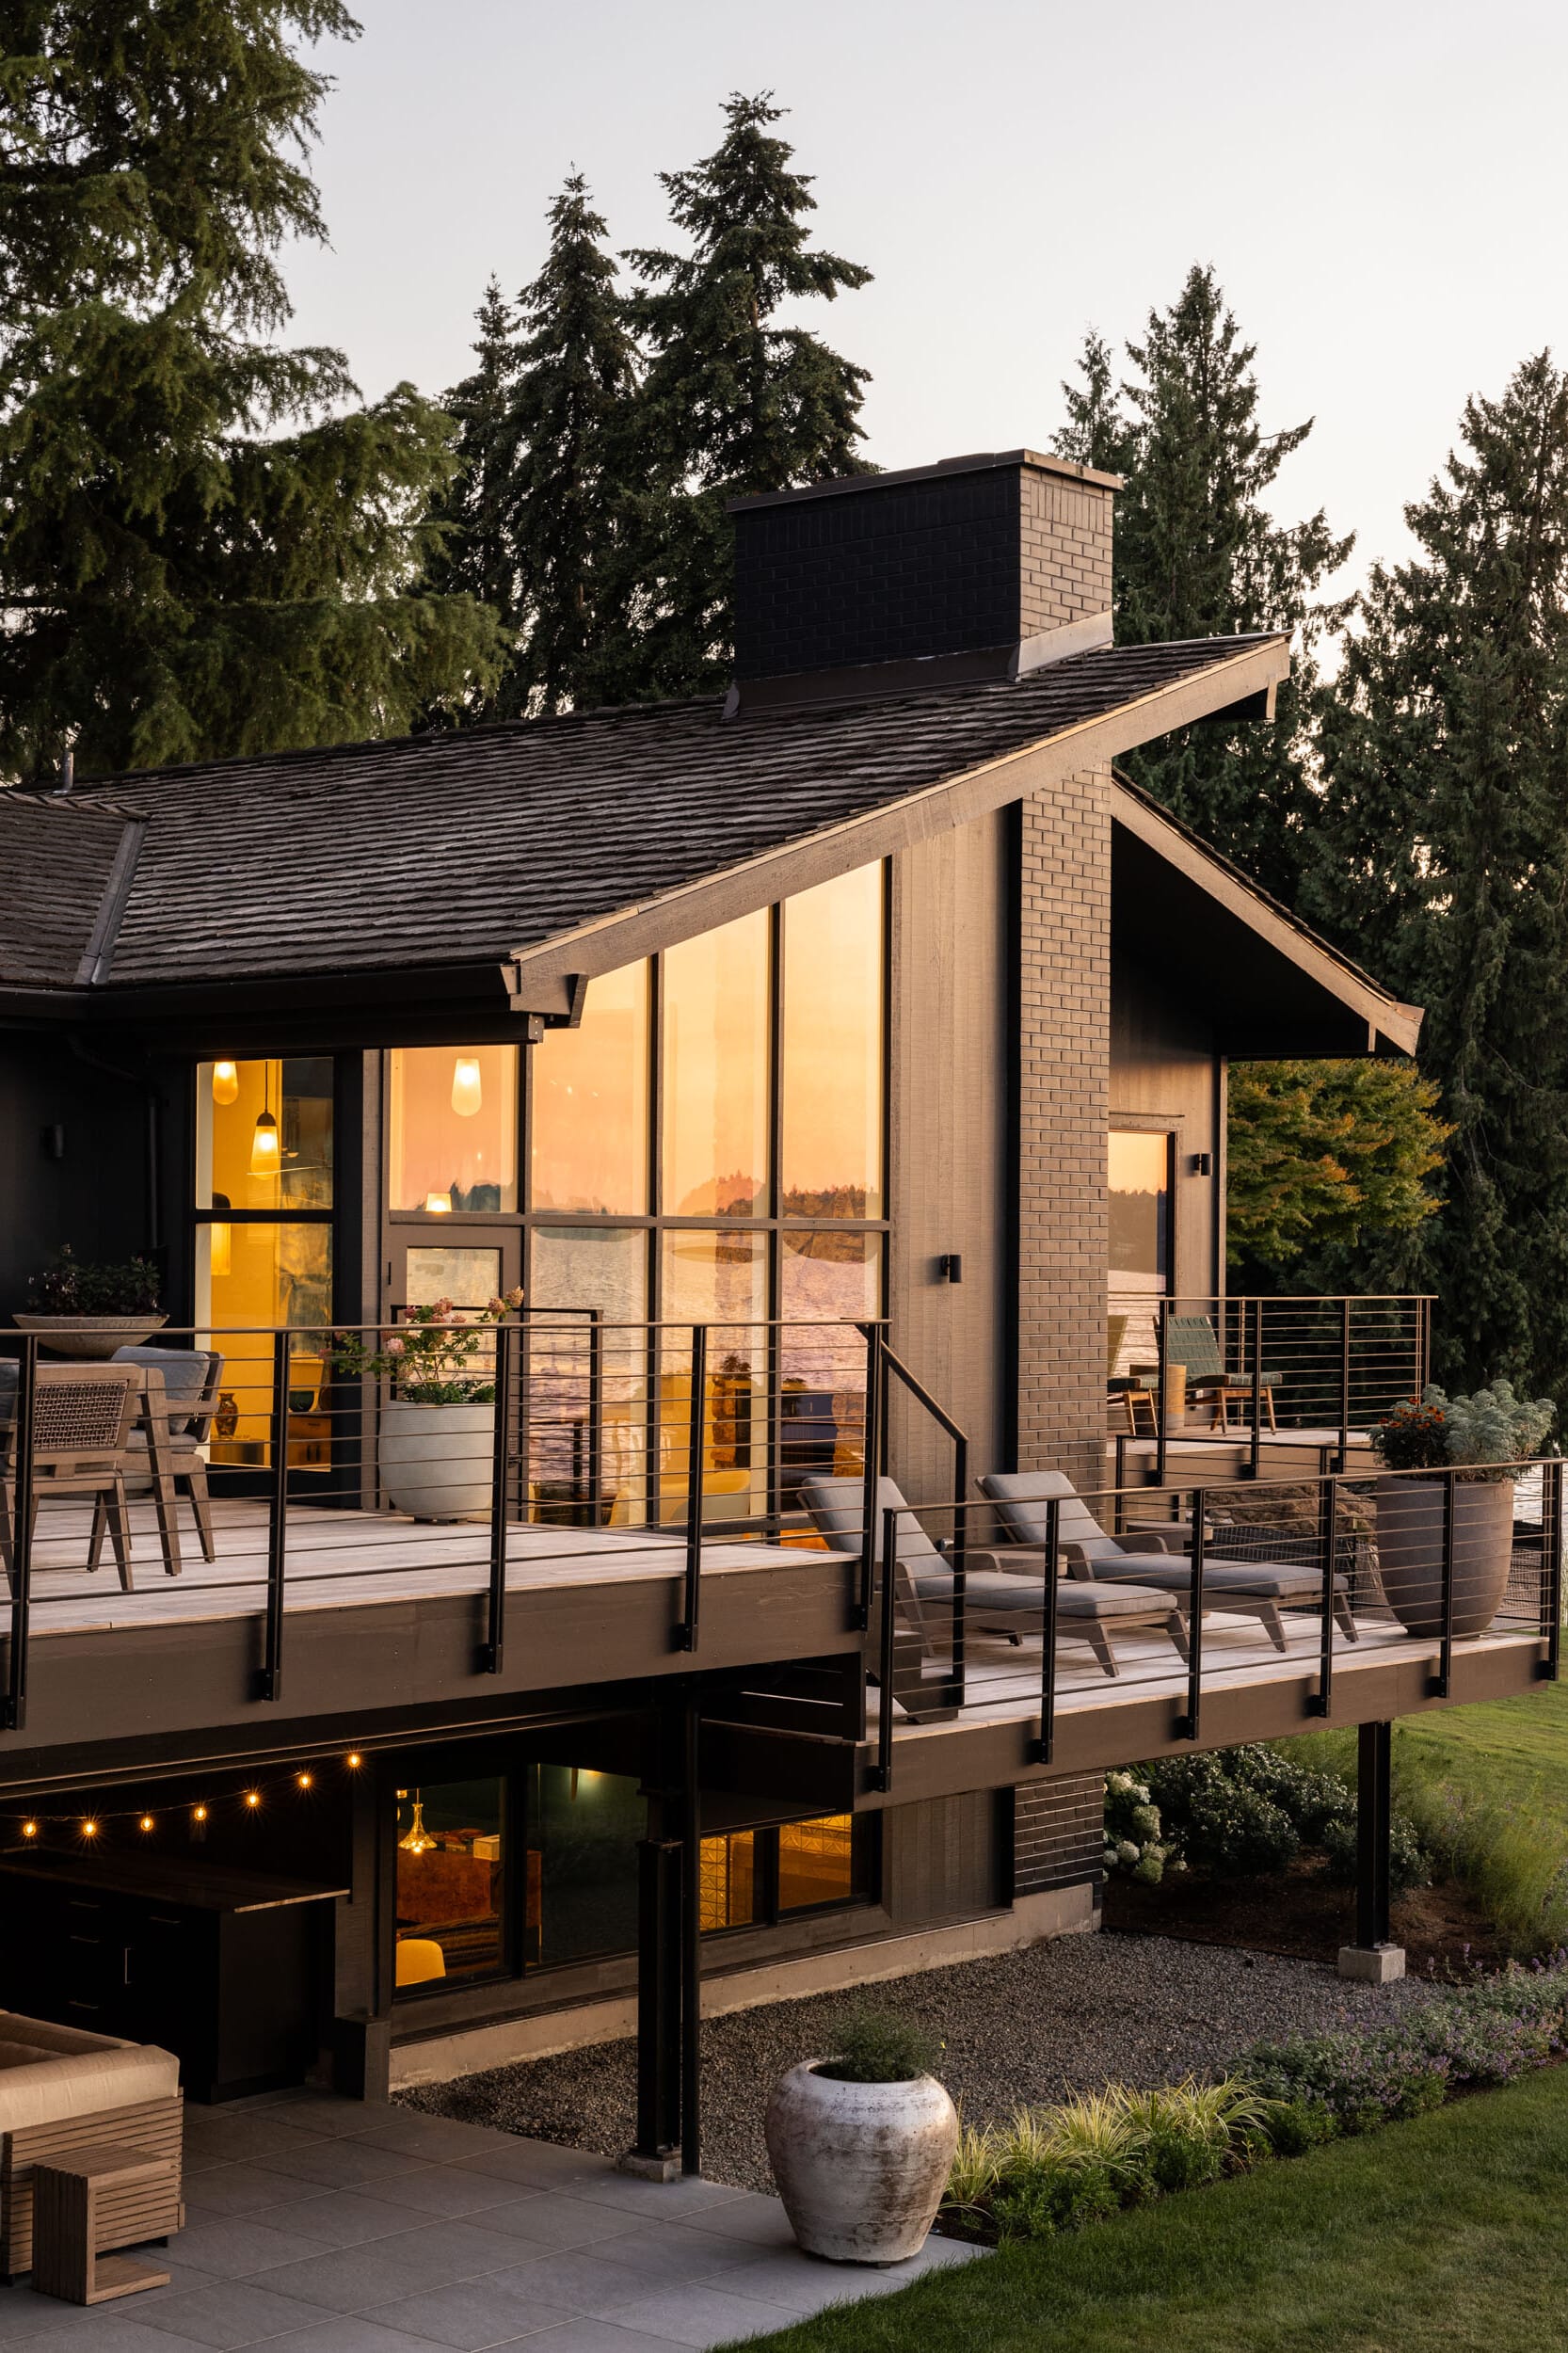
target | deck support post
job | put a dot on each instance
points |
(1373, 1959)
(670, 1959)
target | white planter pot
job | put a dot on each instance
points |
(437, 1460)
(861, 2168)
(90, 1338)
(1410, 1551)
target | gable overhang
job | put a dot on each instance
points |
(1269, 986)
(1247, 678)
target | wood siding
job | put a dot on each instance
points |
(942, 1859)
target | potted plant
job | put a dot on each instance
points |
(437, 1431)
(89, 1311)
(1477, 1438)
(861, 2144)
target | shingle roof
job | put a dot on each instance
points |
(488, 839)
(61, 861)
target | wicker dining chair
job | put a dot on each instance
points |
(82, 1418)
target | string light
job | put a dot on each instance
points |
(29, 1830)
(90, 1828)
(253, 1800)
(147, 1821)
(200, 1815)
(307, 1781)
(354, 1761)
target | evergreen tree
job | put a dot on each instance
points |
(732, 402)
(477, 557)
(1444, 861)
(201, 549)
(1197, 555)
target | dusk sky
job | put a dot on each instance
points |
(1380, 187)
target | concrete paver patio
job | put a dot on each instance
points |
(319, 2225)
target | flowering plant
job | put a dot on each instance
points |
(1469, 1433)
(429, 1356)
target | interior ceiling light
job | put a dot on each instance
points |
(226, 1081)
(468, 1094)
(264, 1158)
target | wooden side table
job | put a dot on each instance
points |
(86, 2201)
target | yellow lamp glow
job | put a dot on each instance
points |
(307, 1781)
(29, 1830)
(468, 1094)
(416, 1839)
(200, 1815)
(436, 1203)
(146, 1821)
(354, 1760)
(252, 1798)
(221, 1249)
(226, 1081)
(264, 1147)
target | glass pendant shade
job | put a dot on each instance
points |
(416, 1839)
(264, 1147)
(226, 1081)
(468, 1095)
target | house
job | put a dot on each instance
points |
(847, 1055)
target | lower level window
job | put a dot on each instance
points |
(451, 1855)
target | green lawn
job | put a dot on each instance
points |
(1514, 1750)
(1444, 2233)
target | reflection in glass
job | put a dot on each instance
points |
(715, 1072)
(832, 1079)
(825, 1272)
(727, 1882)
(578, 1266)
(583, 1834)
(816, 1861)
(719, 1279)
(589, 1146)
(1140, 1161)
(288, 1104)
(468, 1277)
(451, 1859)
(272, 1276)
(453, 1128)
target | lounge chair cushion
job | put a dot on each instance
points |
(839, 1508)
(1021, 1498)
(49, 2072)
(1259, 1580)
(186, 1372)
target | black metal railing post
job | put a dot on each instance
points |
(596, 1418)
(691, 1941)
(495, 1618)
(686, 1632)
(269, 1683)
(957, 1557)
(1343, 1462)
(873, 1450)
(1046, 1745)
(1162, 1343)
(1446, 1645)
(1374, 1814)
(15, 1703)
(1551, 1566)
(1255, 1453)
(882, 1772)
(1187, 1729)
(1328, 1533)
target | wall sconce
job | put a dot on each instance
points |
(1203, 1163)
(226, 1081)
(468, 1094)
(950, 1266)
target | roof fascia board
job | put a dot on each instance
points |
(1400, 1023)
(638, 931)
(98, 951)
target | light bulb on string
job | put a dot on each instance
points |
(306, 1781)
(29, 1830)
(146, 1822)
(354, 1760)
(252, 1798)
(266, 1159)
(90, 1828)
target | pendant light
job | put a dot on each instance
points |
(416, 1839)
(226, 1081)
(468, 1095)
(265, 1160)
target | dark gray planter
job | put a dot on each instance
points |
(1410, 1551)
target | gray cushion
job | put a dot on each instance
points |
(839, 1508)
(1021, 1498)
(1260, 1580)
(186, 1372)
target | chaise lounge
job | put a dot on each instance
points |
(998, 1597)
(1258, 1589)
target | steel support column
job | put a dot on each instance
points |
(658, 2001)
(1374, 1806)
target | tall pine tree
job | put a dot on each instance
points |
(1443, 859)
(733, 402)
(203, 550)
(1198, 554)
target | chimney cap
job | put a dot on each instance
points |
(979, 461)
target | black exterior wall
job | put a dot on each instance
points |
(74, 1157)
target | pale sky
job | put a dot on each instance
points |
(1379, 186)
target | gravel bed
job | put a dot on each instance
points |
(1064, 2016)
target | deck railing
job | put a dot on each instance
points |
(1206, 1586)
(1240, 1370)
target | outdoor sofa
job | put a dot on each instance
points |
(63, 2090)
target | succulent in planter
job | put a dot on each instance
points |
(861, 2142)
(73, 1287)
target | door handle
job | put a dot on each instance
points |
(125, 1965)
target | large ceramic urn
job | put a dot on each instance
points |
(1409, 1550)
(860, 2167)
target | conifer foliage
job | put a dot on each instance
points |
(1443, 859)
(1198, 554)
(203, 550)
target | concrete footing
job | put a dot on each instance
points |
(663, 2169)
(1373, 1964)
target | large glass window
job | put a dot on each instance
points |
(450, 1856)
(583, 1835)
(715, 1072)
(817, 1862)
(263, 1248)
(1140, 1186)
(577, 1268)
(452, 1129)
(589, 1141)
(832, 1074)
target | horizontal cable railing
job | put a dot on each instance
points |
(1247, 1371)
(1051, 1597)
(464, 1450)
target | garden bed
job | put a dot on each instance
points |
(1304, 1913)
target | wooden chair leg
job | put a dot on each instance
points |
(1099, 1642)
(1268, 1614)
(1221, 1397)
(100, 1522)
(1344, 1617)
(1269, 1402)
(1176, 1626)
(119, 1533)
(201, 1504)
